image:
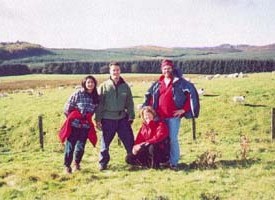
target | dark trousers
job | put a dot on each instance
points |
(75, 145)
(151, 155)
(109, 128)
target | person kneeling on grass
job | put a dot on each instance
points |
(78, 126)
(152, 142)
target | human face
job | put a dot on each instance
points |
(115, 72)
(90, 85)
(167, 71)
(148, 116)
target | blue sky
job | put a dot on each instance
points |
(100, 24)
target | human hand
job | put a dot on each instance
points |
(98, 125)
(146, 143)
(178, 113)
(136, 149)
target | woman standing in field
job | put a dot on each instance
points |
(152, 142)
(78, 126)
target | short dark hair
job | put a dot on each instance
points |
(114, 63)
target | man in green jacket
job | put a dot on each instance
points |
(115, 114)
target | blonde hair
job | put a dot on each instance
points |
(149, 109)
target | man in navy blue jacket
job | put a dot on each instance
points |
(173, 97)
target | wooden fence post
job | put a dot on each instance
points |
(194, 128)
(272, 123)
(41, 133)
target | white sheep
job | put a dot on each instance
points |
(131, 84)
(30, 91)
(188, 79)
(239, 99)
(3, 95)
(217, 76)
(242, 75)
(235, 75)
(209, 77)
(78, 87)
(201, 91)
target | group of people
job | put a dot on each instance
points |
(168, 100)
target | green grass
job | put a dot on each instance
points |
(26, 172)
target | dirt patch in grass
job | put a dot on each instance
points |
(9, 86)
(27, 84)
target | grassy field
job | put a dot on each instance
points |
(235, 137)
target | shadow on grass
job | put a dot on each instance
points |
(270, 165)
(197, 165)
(137, 168)
(254, 105)
(137, 97)
(219, 164)
(237, 163)
(211, 95)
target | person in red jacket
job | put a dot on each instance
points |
(151, 146)
(78, 126)
(173, 97)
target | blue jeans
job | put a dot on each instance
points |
(75, 146)
(109, 128)
(173, 126)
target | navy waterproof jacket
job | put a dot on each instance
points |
(180, 87)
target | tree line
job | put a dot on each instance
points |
(12, 70)
(203, 66)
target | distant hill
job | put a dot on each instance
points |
(21, 50)
(217, 52)
(247, 48)
(24, 58)
(35, 55)
(237, 48)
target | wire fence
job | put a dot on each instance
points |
(57, 146)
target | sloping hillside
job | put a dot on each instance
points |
(21, 50)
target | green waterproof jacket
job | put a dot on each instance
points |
(115, 101)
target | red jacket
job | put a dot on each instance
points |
(66, 128)
(154, 132)
(167, 106)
